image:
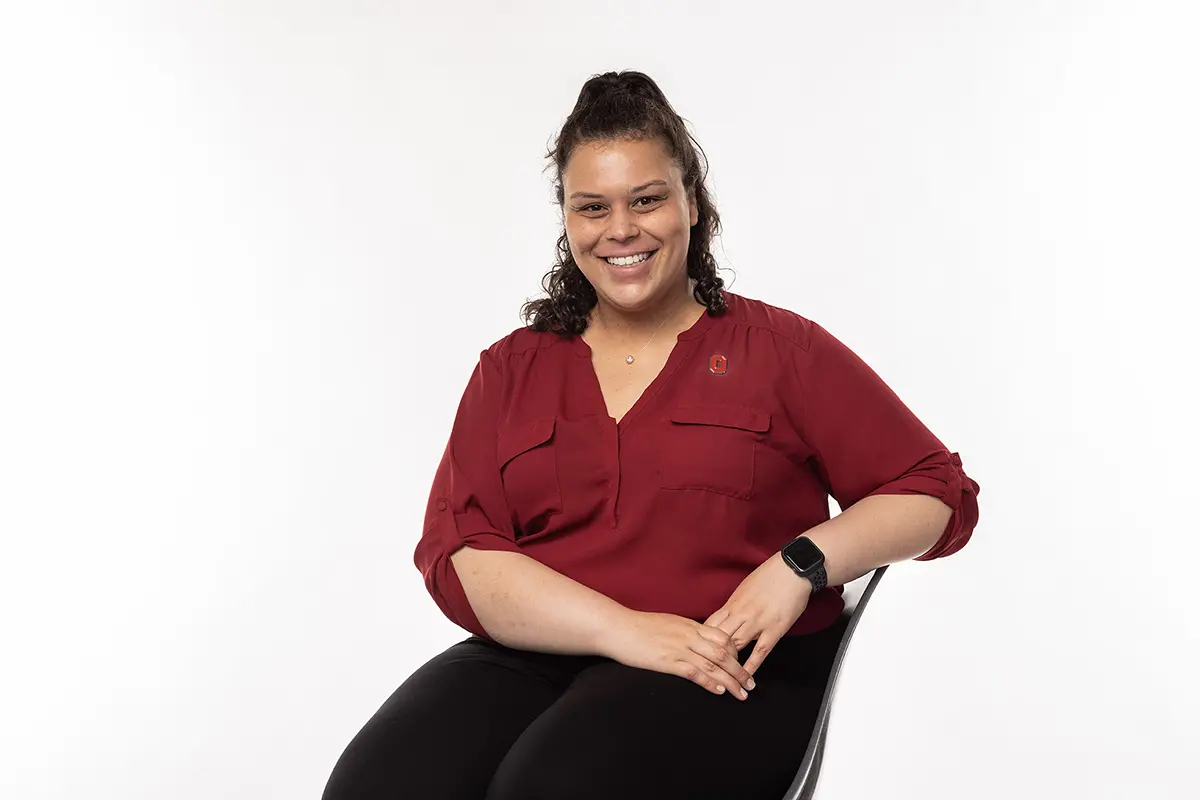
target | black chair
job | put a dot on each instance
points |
(804, 787)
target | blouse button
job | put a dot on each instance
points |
(441, 504)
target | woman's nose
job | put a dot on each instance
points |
(621, 225)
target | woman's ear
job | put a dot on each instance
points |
(693, 209)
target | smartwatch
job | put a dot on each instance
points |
(807, 560)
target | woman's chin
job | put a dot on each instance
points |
(636, 300)
(629, 296)
(633, 290)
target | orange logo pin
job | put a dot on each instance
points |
(718, 364)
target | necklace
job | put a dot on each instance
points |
(629, 358)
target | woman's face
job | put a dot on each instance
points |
(627, 199)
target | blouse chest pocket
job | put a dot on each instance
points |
(712, 448)
(529, 472)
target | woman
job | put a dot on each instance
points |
(631, 514)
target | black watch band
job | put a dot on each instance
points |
(807, 561)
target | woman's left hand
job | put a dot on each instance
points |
(764, 607)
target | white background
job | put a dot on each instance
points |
(250, 252)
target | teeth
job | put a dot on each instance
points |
(628, 261)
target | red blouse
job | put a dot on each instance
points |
(758, 415)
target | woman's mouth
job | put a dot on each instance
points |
(630, 262)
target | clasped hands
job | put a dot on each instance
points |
(764, 607)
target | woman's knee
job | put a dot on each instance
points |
(465, 706)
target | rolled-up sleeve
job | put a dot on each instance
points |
(466, 504)
(866, 441)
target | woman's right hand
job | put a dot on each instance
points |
(679, 646)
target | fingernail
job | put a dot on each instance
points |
(750, 683)
(720, 690)
(742, 692)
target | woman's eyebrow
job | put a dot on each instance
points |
(634, 190)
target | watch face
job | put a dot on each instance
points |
(804, 555)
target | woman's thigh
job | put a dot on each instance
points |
(631, 733)
(442, 733)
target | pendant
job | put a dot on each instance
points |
(628, 359)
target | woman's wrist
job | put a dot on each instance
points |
(613, 628)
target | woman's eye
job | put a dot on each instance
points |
(595, 208)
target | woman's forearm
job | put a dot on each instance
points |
(524, 604)
(879, 530)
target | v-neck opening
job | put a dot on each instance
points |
(683, 344)
(647, 394)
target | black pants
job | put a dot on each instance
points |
(484, 721)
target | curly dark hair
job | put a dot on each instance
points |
(627, 106)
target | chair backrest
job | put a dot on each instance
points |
(805, 784)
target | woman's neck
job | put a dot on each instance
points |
(671, 312)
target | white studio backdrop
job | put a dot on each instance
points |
(250, 252)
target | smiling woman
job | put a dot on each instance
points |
(631, 245)
(630, 181)
(631, 516)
